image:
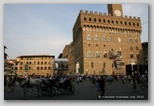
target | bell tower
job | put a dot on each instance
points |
(115, 10)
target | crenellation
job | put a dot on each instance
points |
(100, 13)
(138, 18)
(86, 12)
(95, 13)
(105, 14)
(134, 17)
(126, 16)
(109, 14)
(81, 12)
(91, 12)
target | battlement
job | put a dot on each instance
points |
(134, 18)
(86, 12)
(92, 13)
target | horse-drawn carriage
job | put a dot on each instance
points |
(51, 87)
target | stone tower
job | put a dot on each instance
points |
(99, 38)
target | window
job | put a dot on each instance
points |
(117, 22)
(97, 54)
(131, 55)
(95, 37)
(99, 20)
(104, 65)
(38, 68)
(89, 19)
(38, 62)
(125, 23)
(104, 20)
(94, 19)
(137, 48)
(92, 64)
(48, 68)
(88, 37)
(137, 56)
(89, 54)
(21, 63)
(112, 21)
(130, 40)
(85, 18)
(103, 38)
(105, 55)
(135, 40)
(137, 24)
(131, 48)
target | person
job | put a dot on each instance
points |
(13, 83)
(102, 86)
(98, 89)
(133, 82)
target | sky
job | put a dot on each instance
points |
(45, 29)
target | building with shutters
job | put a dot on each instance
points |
(38, 65)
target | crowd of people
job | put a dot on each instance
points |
(137, 82)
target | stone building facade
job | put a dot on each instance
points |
(39, 65)
(100, 40)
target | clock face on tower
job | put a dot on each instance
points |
(117, 12)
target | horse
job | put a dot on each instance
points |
(29, 83)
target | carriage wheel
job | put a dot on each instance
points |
(43, 89)
(70, 89)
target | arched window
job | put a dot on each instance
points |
(105, 55)
(103, 38)
(88, 37)
(135, 40)
(137, 56)
(130, 40)
(96, 37)
(97, 54)
(131, 48)
(89, 19)
(48, 68)
(85, 18)
(110, 39)
(131, 55)
(89, 54)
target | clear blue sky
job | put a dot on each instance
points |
(31, 29)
